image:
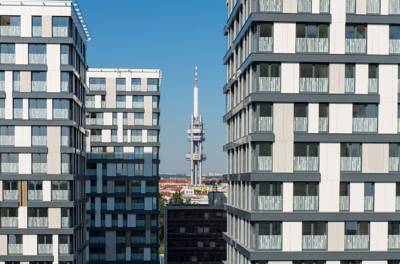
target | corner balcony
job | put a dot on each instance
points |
(304, 6)
(265, 44)
(344, 203)
(323, 124)
(394, 7)
(270, 242)
(305, 203)
(356, 45)
(10, 195)
(45, 249)
(38, 222)
(394, 46)
(264, 163)
(269, 84)
(269, 203)
(394, 164)
(368, 203)
(358, 242)
(314, 45)
(394, 242)
(314, 85)
(264, 124)
(350, 163)
(315, 242)
(372, 85)
(272, 6)
(306, 163)
(15, 249)
(300, 124)
(365, 124)
(9, 222)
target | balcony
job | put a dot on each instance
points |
(7, 58)
(38, 113)
(323, 124)
(305, 203)
(394, 7)
(356, 242)
(394, 164)
(373, 7)
(270, 242)
(350, 163)
(314, 45)
(269, 203)
(60, 195)
(372, 85)
(350, 6)
(39, 140)
(306, 163)
(273, 6)
(265, 44)
(94, 121)
(38, 222)
(324, 6)
(45, 249)
(7, 167)
(37, 58)
(314, 85)
(304, 6)
(344, 203)
(264, 124)
(7, 140)
(394, 46)
(264, 163)
(39, 167)
(365, 124)
(315, 242)
(138, 206)
(152, 139)
(300, 124)
(66, 87)
(9, 222)
(64, 249)
(269, 84)
(35, 195)
(10, 195)
(97, 87)
(394, 242)
(349, 86)
(2, 85)
(10, 31)
(356, 45)
(60, 31)
(60, 113)
(368, 203)
(2, 113)
(15, 249)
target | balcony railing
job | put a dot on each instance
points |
(66, 221)
(350, 6)
(65, 87)
(39, 167)
(356, 242)
(265, 44)
(356, 45)
(368, 203)
(9, 221)
(305, 203)
(2, 85)
(394, 7)
(7, 58)
(394, 163)
(270, 203)
(323, 124)
(315, 242)
(315, 45)
(60, 31)
(97, 87)
(349, 85)
(344, 203)
(300, 124)
(270, 242)
(60, 195)
(7, 140)
(2, 113)
(365, 124)
(10, 30)
(324, 6)
(372, 85)
(269, 84)
(306, 163)
(394, 242)
(45, 249)
(10, 195)
(264, 163)
(394, 46)
(304, 6)
(64, 249)
(35, 195)
(60, 113)
(350, 163)
(37, 58)
(38, 113)
(7, 167)
(373, 7)
(271, 6)
(38, 222)
(15, 249)
(39, 140)
(36, 31)
(314, 85)
(264, 124)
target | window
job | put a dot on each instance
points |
(37, 53)
(314, 228)
(314, 70)
(121, 101)
(39, 163)
(17, 104)
(65, 136)
(136, 83)
(266, 30)
(138, 101)
(2, 81)
(136, 135)
(16, 81)
(365, 111)
(350, 73)
(344, 199)
(152, 136)
(344, 189)
(7, 53)
(153, 84)
(300, 117)
(9, 162)
(155, 102)
(155, 119)
(355, 31)
(323, 117)
(36, 26)
(10, 25)
(2, 111)
(37, 109)
(270, 70)
(65, 82)
(305, 189)
(7, 135)
(97, 84)
(121, 85)
(270, 189)
(369, 196)
(394, 157)
(270, 228)
(139, 119)
(39, 135)
(65, 54)
(61, 109)
(38, 82)
(356, 228)
(65, 163)
(312, 30)
(61, 27)
(264, 150)
(394, 228)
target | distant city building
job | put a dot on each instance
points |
(123, 162)
(313, 114)
(196, 139)
(193, 234)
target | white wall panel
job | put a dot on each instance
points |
(356, 197)
(340, 118)
(291, 236)
(284, 37)
(378, 39)
(379, 236)
(388, 107)
(290, 78)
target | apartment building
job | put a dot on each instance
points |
(313, 131)
(122, 171)
(42, 91)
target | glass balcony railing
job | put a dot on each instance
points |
(39, 167)
(304, 6)
(273, 6)
(356, 242)
(365, 124)
(9, 221)
(394, 242)
(300, 124)
(394, 7)
(39, 140)
(10, 31)
(314, 85)
(324, 6)
(37, 58)
(269, 84)
(394, 46)
(264, 124)
(35, 195)
(349, 86)
(7, 140)
(306, 163)
(10, 195)
(323, 124)
(97, 87)
(38, 113)
(264, 163)
(350, 163)
(372, 85)
(2, 86)
(38, 222)
(7, 58)
(269, 203)
(394, 163)
(15, 249)
(305, 203)
(265, 44)
(368, 203)
(64, 249)
(270, 242)
(315, 242)
(350, 6)
(315, 45)
(66, 221)
(344, 203)
(60, 31)
(356, 45)
(7, 167)
(36, 31)
(60, 195)
(397, 203)
(45, 249)
(373, 7)
(95, 138)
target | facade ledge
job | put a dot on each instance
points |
(275, 176)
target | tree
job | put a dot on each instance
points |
(161, 206)
(176, 198)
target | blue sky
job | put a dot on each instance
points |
(171, 35)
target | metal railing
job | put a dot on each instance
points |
(60, 195)
(15, 249)
(264, 123)
(305, 203)
(265, 44)
(269, 84)
(323, 124)
(356, 242)
(315, 45)
(306, 163)
(45, 249)
(269, 203)
(344, 203)
(264, 163)
(37, 58)
(270, 242)
(394, 163)
(315, 242)
(271, 5)
(38, 221)
(35, 195)
(394, 242)
(324, 6)
(10, 30)
(300, 124)
(314, 85)
(9, 221)
(10, 195)
(356, 45)
(350, 6)
(304, 6)
(365, 124)
(350, 163)
(368, 203)
(372, 85)
(394, 7)
(373, 6)
(394, 46)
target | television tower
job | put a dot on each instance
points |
(196, 138)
